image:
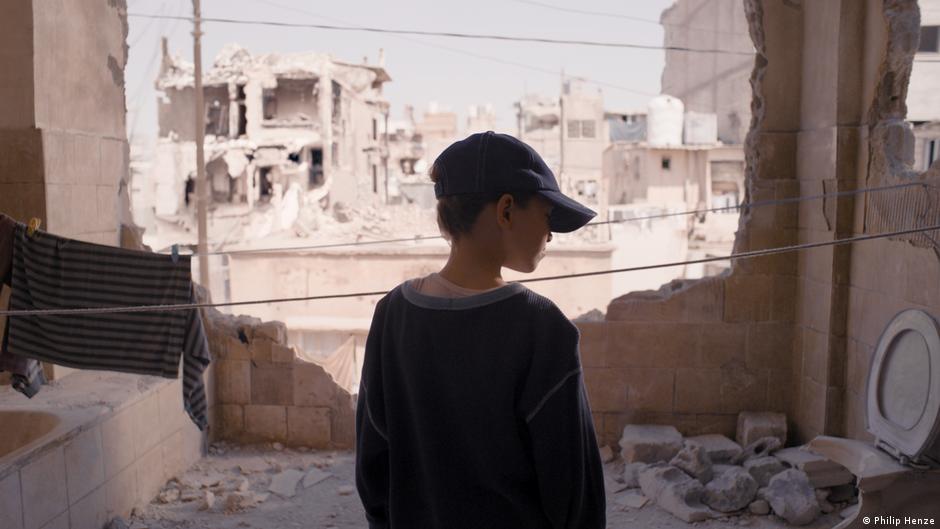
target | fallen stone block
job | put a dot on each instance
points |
(759, 448)
(675, 492)
(694, 461)
(843, 493)
(759, 507)
(764, 468)
(631, 474)
(607, 455)
(755, 425)
(285, 483)
(720, 467)
(719, 448)
(649, 443)
(117, 523)
(731, 491)
(631, 500)
(345, 490)
(241, 501)
(791, 497)
(207, 501)
(169, 495)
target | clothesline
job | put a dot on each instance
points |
(189, 306)
(756, 204)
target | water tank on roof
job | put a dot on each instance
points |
(664, 121)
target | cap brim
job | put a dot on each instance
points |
(568, 215)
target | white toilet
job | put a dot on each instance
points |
(899, 475)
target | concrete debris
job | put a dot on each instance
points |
(607, 455)
(791, 497)
(631, 500)
(675, 492)
(277, 446)
(764, 468)
(242, 484)
(252, 466)
(314, 476)
(694, 461)
(731, 491)
(631, 474)
(756, 425)
(208, 500)
(821, 471)
(284, 484)
(759, 448)
(240, 501)
(117, 523)
(341, 212)
(720, 468)
(190, 495)
(345, 490)
(169, 495)
(759, 507)
(843, 493)
(649, 443)
(719, 448)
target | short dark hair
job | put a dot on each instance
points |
(456, 214)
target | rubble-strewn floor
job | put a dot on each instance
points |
(333, 502)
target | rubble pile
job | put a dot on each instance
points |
(711, 476)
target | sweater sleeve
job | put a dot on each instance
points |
(561, 432)
(372, 454)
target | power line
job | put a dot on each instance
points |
(505, 38)
(189, 306)
(759, 203)
(529, 67)
(592, 13)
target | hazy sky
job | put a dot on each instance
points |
(423, 69)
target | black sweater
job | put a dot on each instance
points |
(472, 414)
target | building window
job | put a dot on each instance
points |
(375, 129)
(931, 148)
(574, 128)
(666, 163)
(375, 178)
(588, 130)
(929, 39)
(270, 103)
(334, 150)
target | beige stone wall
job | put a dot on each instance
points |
(265, 393)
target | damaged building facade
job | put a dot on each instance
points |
(273, 122)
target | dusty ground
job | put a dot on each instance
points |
(333, 503)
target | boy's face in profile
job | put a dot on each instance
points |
(526, 232)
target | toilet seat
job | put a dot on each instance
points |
(903, 391)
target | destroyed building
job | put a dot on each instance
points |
(273, 122)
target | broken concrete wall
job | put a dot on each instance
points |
(175, 113)
(801, 325)
(265, 393)
(696, 353)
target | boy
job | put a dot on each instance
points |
(472, 411)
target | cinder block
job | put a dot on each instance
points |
(343, 423)
(146, 434)
(748, 298)
(756, 425)
(719, 343)
(173, 460)
(89, 511)
(151, 475)
(648, 443)
(233, 420)
(742, 389)
(275, 331)
(117, 440)
(122, 493)
(649, 344)
(313, 386)
(769, 346)
(234, 381)
(272, 384)
(698, 390)
(606, 389)
(235, 349)
(593, 344)
(650, 390)
(266, 422)
(282, 354)
(308, 426)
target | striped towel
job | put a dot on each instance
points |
(27, 376)
(51, 272)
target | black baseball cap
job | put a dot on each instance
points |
(488, 162)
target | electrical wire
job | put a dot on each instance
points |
(505, 38)
(188, 306)
(759, 203)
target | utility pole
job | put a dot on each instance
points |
(202, 198)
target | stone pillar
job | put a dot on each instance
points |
(63, 145)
